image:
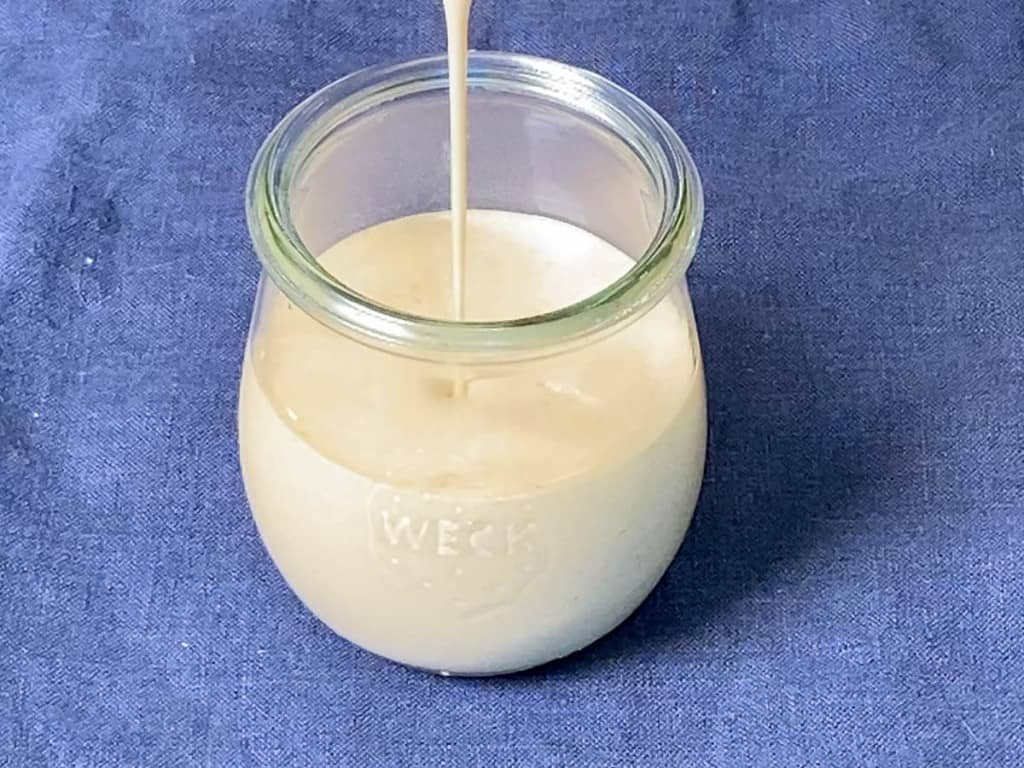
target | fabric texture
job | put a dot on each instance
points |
(852, 589)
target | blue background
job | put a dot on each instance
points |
(852, 589)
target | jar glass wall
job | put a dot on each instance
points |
(498, 530)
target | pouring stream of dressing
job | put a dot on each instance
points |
(456, 14)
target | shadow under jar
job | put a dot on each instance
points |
(498, 529)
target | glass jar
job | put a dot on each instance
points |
(496, 531)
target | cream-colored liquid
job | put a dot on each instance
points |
(456, 16)
(493, 531)
(456, 13)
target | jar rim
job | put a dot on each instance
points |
(299, 275)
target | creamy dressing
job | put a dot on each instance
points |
(485, 533)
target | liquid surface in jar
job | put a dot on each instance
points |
(515, 428)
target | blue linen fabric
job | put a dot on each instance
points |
(852, 589)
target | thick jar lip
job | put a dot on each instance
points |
(298, 274)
